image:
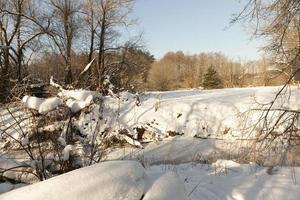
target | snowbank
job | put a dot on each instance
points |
(199, 113)
(129, 180)
(107, 180)
(245, 182)
(167, 187)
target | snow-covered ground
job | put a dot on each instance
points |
(181, 131)
(215, 117)
(195, 112)
(222, 180)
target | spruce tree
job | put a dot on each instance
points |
(212, 79)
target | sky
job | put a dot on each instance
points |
(195, 26)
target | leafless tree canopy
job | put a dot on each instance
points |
(278, 21)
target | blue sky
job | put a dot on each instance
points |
(194, 26)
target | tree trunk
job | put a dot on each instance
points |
(19, 50)
(68, 73)
(101, 68)
(4, 77)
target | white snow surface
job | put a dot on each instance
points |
(104, 181)
(77, 105)
(168, 186)
(211, 114)
(17, 174)
(242, 182)
(66, 152)
(42, 105)
(129, 180)
(192, 112)
(80, 95)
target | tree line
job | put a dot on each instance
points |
(178, 70)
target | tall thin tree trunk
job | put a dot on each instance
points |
(4, 76)
(19, 50)
(90, 56)
(101, 69)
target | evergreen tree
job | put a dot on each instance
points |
(212, 79)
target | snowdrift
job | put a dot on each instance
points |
(107, 180)
(128, 180)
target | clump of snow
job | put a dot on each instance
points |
(168, 186)
(50, 104)
(131, 141)
(55, 84)
(103, 181)
(42, 105)
(66, 152)
(224, 165)
(87, 122)
(77, 105)
(32, 102)
(80, 95)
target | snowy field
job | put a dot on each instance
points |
(190, 138)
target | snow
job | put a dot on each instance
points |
(6, 186)
(18, 173)
(87, 67)
(168, 186)
(107, 180)
(77, 105)
(32, 102)
(50, 104)
(42, 105)
(242, 182)
(202, 113)
(212, 128)
(196, 112)
(131, 141)
(66, 152)
(80, 95)
(224, 165)
(129, 180)
(55, 84)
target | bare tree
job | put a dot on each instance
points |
(21, 25)
(278, 21)
(110, 15)
(65, 27)
(91, 24)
